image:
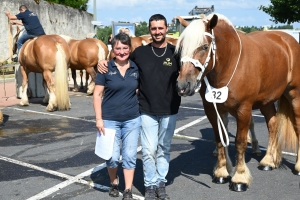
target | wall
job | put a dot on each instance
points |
(55, 18)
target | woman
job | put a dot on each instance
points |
(119, 110)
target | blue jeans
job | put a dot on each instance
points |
(24, 37)
(156, 136)
(128, 132)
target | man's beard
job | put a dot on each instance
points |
(159, 41)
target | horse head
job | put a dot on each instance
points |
(196, 47)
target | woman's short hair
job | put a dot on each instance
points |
(123, 38)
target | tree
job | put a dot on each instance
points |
(283, 11)
(78, 4)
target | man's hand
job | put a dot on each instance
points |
(102, 66)
(7, 13)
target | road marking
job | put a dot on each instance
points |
(78, 178)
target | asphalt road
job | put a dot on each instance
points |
(51, 156)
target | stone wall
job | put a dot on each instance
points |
(55, 18)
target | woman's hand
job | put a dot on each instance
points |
(100, 126)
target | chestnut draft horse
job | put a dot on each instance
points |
(85, 55)
(46, 54)
(243, 72)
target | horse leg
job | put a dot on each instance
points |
(46, 97)
(91, 71)
(255, 147)
(272, 158)
(52, 105)
(223, 166)
(81, 81)
(75, 89)
(24, 98)
(225, 121)
(87, 76)
(242, 176)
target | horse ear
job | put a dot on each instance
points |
(212, 22)
(182, 21)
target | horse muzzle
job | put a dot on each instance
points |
(185, 88)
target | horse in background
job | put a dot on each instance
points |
(85, 55)
(246, 71)
(46, 54)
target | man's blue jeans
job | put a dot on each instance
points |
(156, 136)
(23, 38)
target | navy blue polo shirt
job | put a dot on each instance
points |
(31, 23)
(120, 102)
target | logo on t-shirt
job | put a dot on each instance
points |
(167, 62)
(32, 14)
(112, 73)
(134, 75)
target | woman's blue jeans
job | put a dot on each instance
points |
(156, 137)
(128, 133)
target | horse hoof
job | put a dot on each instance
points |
(296, 172)
(75, 90)
(265, 168)
(221, 180)
(238, 187)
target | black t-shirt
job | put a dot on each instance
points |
(31, 23)
(157, 89)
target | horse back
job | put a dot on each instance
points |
(39, 54)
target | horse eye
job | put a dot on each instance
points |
(205, 47)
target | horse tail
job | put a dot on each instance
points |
(101, 52)
(61, 79)
(285, 126)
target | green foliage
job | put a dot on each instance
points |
(248, 29)
(78, 4)
(283, 11)
(104, 33)
(141, 29)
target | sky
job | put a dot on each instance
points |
(239, 12)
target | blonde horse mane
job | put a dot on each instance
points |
(193, 35)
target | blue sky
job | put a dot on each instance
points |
(239, 12)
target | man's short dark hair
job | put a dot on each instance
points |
(23, 7)
(123, 38)
(157, 17)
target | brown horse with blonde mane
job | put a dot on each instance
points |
(46, 54)
(85, 55)
(240, 72)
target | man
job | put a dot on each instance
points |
(31, 23)
(159, 104)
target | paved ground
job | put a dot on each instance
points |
(51, 156)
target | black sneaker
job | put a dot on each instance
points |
(127, 195)
(114, 190)
(161, 192)
(150, 193)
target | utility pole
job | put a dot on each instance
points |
(95, 16)
(95, 11)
